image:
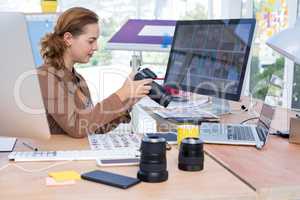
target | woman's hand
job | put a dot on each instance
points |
(132, 90)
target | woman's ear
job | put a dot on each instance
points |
(68, 38)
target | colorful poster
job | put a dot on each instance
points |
(271, 16)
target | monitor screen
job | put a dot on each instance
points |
(210, 56)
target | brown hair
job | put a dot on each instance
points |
(73, 21)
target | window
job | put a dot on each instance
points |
(296, 88)
(296, 80)
(114, 13)
(171, 10)
(272, 16)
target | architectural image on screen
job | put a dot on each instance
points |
(210, 56)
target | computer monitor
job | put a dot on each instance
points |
(21, 106)
(210, 57)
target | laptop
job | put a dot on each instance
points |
(239, 134)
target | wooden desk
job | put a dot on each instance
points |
(214, 182)
(275, 167)
(272, 171)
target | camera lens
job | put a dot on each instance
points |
(158, 94)
(191, 155)
(153, 164)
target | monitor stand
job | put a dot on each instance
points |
(220, 106)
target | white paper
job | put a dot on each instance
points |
(7, 143)
(189, 104)
(150, 30)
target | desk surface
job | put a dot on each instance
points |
(274, 168)
(276, 165)
(211, 183)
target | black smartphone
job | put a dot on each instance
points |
(111, 179)
(171, 137)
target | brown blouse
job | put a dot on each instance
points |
(69, 106)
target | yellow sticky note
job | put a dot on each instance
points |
(65, 175)
(51, 182)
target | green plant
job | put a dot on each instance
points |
(199, 12)
(259, 78)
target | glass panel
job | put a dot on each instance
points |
(272, 16)
(27, 6)
(274, 94)
(296, 88)
(296, 80)
(114, 13)
(246, 8)
(171, 10)
(298, 14)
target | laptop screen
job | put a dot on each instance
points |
(265, 119)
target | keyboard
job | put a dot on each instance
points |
(113, 141)
(103, 146)
(243, 133)
(72, 155)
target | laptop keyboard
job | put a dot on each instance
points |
(240, 133)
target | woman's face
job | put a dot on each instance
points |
(82, 47)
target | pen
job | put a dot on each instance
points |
(30, 147)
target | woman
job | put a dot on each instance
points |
(65, 93)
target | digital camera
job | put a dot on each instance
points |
(157, 92)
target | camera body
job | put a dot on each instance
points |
(153, 162)
(157, 92)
